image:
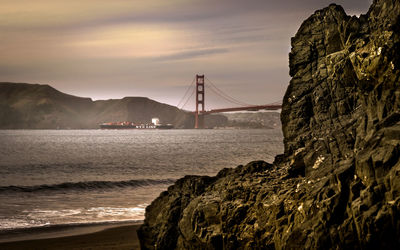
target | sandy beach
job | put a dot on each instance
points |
(114, 236)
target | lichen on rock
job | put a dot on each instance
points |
(338, 183)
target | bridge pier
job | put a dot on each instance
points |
(199, 121)
(199, 117)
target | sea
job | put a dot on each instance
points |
(73, 177)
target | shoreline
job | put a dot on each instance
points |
(121, 235)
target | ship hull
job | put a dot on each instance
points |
(133, 126)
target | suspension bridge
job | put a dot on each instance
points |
(199, 90)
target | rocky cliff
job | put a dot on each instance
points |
(338, 183)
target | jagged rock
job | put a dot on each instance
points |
(338, 183)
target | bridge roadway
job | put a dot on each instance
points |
(248, 108)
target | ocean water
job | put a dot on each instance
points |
(58, 177)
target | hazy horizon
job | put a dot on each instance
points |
(109, 50)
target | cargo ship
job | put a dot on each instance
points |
(155, 124)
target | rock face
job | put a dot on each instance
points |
(338, 183)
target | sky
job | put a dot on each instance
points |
(106, 49)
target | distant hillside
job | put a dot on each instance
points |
(254, 120)
(38, 106)
(41, 106)
(140, 110)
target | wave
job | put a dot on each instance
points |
(87, 185)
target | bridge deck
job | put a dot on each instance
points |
(248, 108)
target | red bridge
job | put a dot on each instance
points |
(200, 101)
(248, 108)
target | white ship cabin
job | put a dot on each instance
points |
(155, 121)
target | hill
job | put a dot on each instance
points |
(36, 106)
(267, 120)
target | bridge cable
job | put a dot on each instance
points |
(222, 94)
(187, 91)
(233, 100)
(188, 99)
(225, 98)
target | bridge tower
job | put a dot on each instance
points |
(199, 116)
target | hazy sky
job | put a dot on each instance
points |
(114, 48)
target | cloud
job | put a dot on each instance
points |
(76, 14)
(119, 47)
(190, 54)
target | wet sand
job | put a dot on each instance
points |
(115, 236)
